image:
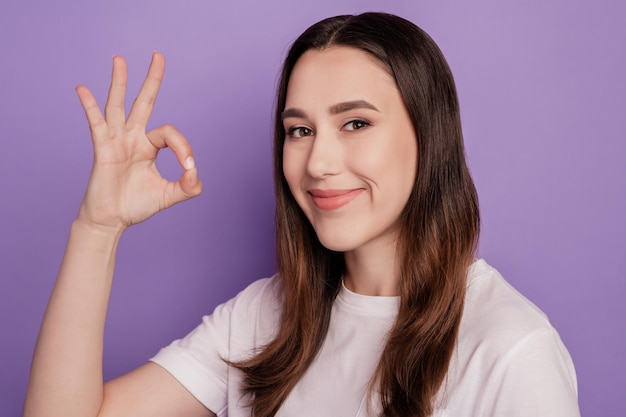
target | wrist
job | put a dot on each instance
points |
(84, 226)
(92, 247)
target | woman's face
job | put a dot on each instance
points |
(350, 152)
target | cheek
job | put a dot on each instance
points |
(390, 158)
(402, 153)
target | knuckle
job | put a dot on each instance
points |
(97, 124)
(169, 128)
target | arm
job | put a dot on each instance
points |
(124, 188)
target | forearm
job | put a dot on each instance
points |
(66, 374)
(124, 188)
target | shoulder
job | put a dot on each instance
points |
(260, 293)
(495, 311)
(509, 358)
(234, 329)
(499, 322)
(258, 306)
(254, 310)
(244, 322)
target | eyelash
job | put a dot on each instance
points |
(298, 132)
(361, 122)
(292, 132)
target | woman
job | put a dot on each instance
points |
(378, 307)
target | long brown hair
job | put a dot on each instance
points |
(440, 226)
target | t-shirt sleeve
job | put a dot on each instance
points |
(197, 360)
(537, 378)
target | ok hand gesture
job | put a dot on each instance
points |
(125, 186)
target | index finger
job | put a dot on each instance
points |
(169, 137)
(144, 103)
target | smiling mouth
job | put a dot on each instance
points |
(333, 199)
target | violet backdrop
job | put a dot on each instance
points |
(541, 86)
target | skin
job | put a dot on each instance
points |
(350, 158)
(125, 188)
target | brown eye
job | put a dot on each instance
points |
(356, 125)
(299, 132)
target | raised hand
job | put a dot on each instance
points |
(125, 186)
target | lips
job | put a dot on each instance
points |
(333, 199)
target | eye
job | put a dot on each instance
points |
(356, 125)
(299, 132)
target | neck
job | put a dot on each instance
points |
(371, 269)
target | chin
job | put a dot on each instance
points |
(336, 243)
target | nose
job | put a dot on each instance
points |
(325, 155)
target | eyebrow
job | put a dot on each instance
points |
(334, 109)
(351, 105)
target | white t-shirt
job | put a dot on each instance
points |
(509, 361)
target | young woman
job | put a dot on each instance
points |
(378, 307)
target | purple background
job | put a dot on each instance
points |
(542, 93)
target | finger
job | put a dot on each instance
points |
(114, 110)
(188, 186)
(97, 124)
(169, 137)
(144, 103)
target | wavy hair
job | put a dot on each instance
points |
(438, 236)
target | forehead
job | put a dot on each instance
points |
(337, 74)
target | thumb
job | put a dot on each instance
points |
(190, 184)
(187, 187)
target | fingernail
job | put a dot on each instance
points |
(189, 163)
